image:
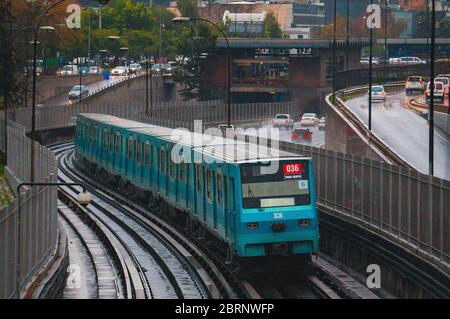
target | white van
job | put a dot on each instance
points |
(69, 69)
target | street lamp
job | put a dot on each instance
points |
(33, 111)
(431, 110)
(180, 20)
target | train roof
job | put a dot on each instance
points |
(220, 148)
(116, 121)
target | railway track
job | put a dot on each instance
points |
(189, 271)
(207, 277)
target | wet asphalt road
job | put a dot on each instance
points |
(63, 99)
(317, 139)
(405, 132)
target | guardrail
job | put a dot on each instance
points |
(37, 223)
(371, 139)
(398, 203)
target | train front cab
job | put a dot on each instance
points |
(277, 212)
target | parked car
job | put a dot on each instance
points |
(95, 70)
(445, 81)
(69, 69)
(415, 83)
(135, 68)
(378, 92)
(119, 70)
(78, 90)
(439, 91)
(322, 124)
(309, 119)
(283, 120)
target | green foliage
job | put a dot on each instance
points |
(271, 27)
(187, 7)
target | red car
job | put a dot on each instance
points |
(301, 133)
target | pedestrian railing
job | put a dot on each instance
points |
(28, 237)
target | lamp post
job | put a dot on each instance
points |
(83, 199)
(33, 111)
(334, 50)
(431, 110)
(205, 56)
(370, 72)
(179, 20)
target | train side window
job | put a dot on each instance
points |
(219, 187)
(152, 161)
(182, 171)
(146, 153)
(171, 166)
(95, 134)
(110, 140)
(208, 184)
(118, 142)
(227, 192)
(162, 161)
(130, 147)
(138, 151)
(104, 137)
(198, 173)
(232, 203)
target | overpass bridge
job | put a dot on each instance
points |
(368, 204)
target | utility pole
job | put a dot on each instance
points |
(431, 110)
(334, 50)
(348, 35)
(370, 71)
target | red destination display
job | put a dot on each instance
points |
(292, 168)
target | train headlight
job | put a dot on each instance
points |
(303, 223)
(252, 226)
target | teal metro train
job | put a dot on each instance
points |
(251, 202)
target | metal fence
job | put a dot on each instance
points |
(209, 112)
(399, 203)
(355, 77)
(28, 237)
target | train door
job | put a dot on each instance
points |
(219, 219)
(129, 157)
(145, 171)
(199, 191)
(226, 188)
(118, 154)
(231, 216)
(111, 150)
(210, 205)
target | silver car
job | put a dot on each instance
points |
(78, 91)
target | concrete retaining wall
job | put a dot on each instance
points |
(442, 121)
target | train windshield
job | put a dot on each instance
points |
(264, 186)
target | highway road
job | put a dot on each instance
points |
(317, 140)
(63, 99)
(404, 131)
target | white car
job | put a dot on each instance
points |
(69, 69)
(78, 91)
(415, 83)
(309, 119)
(411, 60)
(322, 124)
(378, 92)
(119, 70)
(439, 91)
(445, 81)
(283, 120)
(135, 68)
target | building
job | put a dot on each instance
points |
(244, 24)
(311, 14)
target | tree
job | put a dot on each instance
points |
(8, 79)
(271, 27)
